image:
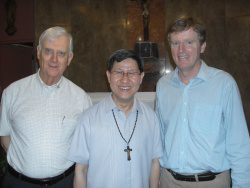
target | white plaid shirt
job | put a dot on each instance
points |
(40, 120)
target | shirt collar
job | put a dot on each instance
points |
(110, 105)
(203, 74)
(44, 86)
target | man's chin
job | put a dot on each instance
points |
(125, 98)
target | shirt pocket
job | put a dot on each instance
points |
(207, 118)
(65, 128)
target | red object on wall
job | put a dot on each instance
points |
(16, 63)
(17, 51)
(24, 23)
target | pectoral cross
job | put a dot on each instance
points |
(128, 150)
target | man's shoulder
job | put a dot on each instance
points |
(98, 107)
(72, 84)
(147, 110)
(220, 74)
(165, 81)
(166, 78)
(145, 106)
(74, 88)
(94, 112)
(22, 83)
(76, 93)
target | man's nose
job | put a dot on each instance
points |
(54, 57)
(125, 77)
(182, 47)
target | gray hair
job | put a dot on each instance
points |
(55, 32)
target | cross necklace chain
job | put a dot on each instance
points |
(128, 149)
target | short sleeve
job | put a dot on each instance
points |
(5, 125)
(79, 149)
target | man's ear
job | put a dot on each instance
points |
(203, 47)
(70, 58)
(141, 75)
(108, 75)
(38, 50)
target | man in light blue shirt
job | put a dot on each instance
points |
(117, 141)
(203, 128)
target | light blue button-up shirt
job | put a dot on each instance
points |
(98, 143)
(203, 125)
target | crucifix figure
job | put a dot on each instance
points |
(11, 17)
(145, 14)
(128, 150)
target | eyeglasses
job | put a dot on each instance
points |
(121, 74)
(186, 43)
(49, 52)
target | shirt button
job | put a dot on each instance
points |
(185, 103)
(184, 119)
(182, 153)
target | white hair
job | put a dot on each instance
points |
(55, 32)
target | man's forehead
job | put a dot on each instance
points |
(129, 62)
(189, 33)
(61, 42)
